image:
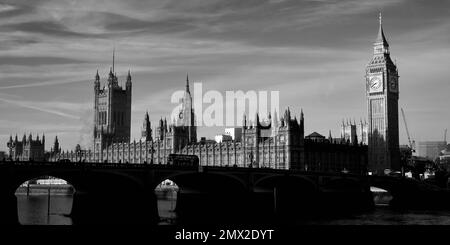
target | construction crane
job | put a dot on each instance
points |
(407, 132)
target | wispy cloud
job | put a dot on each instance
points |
(36, 61)
(6, 7)
(35, 106)
(38, 84)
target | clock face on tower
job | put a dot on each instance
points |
(375, 84)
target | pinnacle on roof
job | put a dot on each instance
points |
(380, 37)
(187, 82)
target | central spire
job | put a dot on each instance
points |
(187, 82)
(380, 37)
(380, 17)
(114, 54)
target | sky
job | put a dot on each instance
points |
(313, 52)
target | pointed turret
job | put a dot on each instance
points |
(56, 148)
(381, 45)
(302, 123)
(187, 83)
(287, 118)
(110, 77)
(380, 37)
(129, 77)
(165, 124)
(10, 142)
(97, 77)
(114, 56)
(147, 129)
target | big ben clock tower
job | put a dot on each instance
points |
(382, 106)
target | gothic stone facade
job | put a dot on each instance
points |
(335, 155)
(355, 133)
(27, 149)
(275, 143)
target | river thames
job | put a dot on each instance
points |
(34, 210)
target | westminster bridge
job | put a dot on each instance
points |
(125, 193)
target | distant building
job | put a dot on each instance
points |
(51, 181)
(444, 157)
(230, 134)
(222, 138)
(204, 140)
(315, 137)
(430, 149)
(27, 149)
(354, 133)
(235, 133)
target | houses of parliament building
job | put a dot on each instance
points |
(279, 143)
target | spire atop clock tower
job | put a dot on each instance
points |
(381, 46)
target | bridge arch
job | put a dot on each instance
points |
(199, 180)
(60, 174)
(45, 200)
(343, 184)
(346, 195)
(274, 180)
(102, 196)
(83, 180)
(381, 197)
(166, 193)
(204, 198)
(286, 198)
